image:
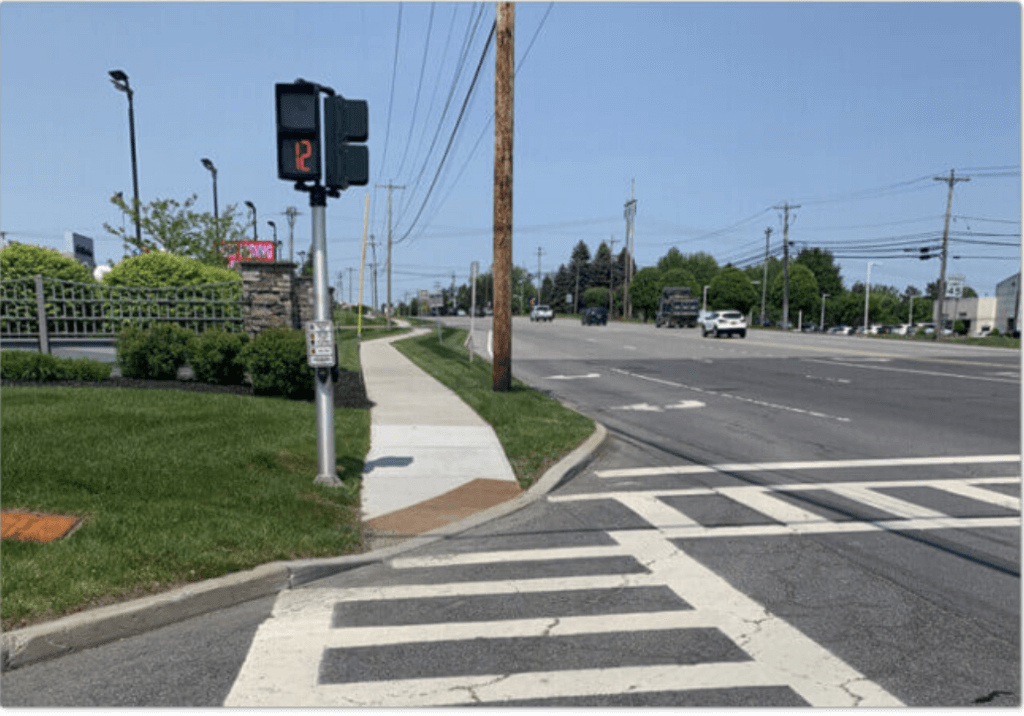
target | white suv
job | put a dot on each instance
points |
(542, 313)
(728, 323)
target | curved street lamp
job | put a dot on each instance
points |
(120, 80)
(252, 208)
(213, 170)
(274, 227)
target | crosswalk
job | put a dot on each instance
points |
(628, 619)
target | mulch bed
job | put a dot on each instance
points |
(349, 389)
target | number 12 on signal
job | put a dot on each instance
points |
(299, 158)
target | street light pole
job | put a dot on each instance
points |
(252, 208)
(274, 227)
(867, 293)
(706, 298)
(120, 81)
(216, 215)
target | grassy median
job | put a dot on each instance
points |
(535, 431)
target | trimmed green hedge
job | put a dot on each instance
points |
(278, 365)
(154, 354)
(27, 365)
(215, 357)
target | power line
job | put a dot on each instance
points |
(419, 86)
(458, 121)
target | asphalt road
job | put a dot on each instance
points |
(778, 520)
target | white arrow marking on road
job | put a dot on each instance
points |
(572, 377)
(685, 404)
(647, 407)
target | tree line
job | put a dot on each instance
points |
(814, 280)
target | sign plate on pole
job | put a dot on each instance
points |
(320, 343)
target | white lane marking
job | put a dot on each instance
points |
(522, 555)
(828, 527)
(812, 465)
(685, 405)
(732, 396)
(981, 495)
(893, 505)
(787, 656)
(843, 381)
(572, 377)
(911, 370)
(640, 407)
(629, 348)
(938, 483)
(510, 628)
(466, 690)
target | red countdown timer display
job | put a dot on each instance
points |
(298, 132)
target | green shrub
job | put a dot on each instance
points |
(995, 332)
(158, 268)
(277, 364)
(156, 353)
(14, 364)
(28, 365)
(215, 358)
(21, 261)
(88, 370)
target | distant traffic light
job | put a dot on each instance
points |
(346, 120)
(298, 131)
(924, 253)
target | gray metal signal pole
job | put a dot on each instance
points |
(327, 470)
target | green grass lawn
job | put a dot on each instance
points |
(535, 430)
(174, 486)
(177, 486)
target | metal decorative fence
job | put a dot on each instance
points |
(47, 309)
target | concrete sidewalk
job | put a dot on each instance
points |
(432, 460)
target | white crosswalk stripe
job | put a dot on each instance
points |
(285, 664)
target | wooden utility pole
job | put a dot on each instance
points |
(764, 278)
(504, 72)
(627, 303)
(953, 179)
(389, 187)
(785, 266)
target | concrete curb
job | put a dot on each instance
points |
(96, 627)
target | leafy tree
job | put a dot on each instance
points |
(645, 290)
(703, 267)
(175, 228)
(822, 265)
(601, 267)
(595, 297)
(163, 269)
(732, 289)
(671, 260)
(803, 292)
(680, 277)
(21, 261)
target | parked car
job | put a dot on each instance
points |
(542, 313)
(810, 328)
(597, 316)
(727, 323)
(839, 330)
(766, 324)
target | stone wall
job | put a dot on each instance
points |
(273, 296)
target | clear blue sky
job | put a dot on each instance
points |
(718, 111)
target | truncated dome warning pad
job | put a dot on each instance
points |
(35, 526)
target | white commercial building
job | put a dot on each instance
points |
(1008, 304)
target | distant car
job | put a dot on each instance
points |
(597, 316)
(724, 323)
(460, 312)
(542, 313)
(810, 328)
(767, 323)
